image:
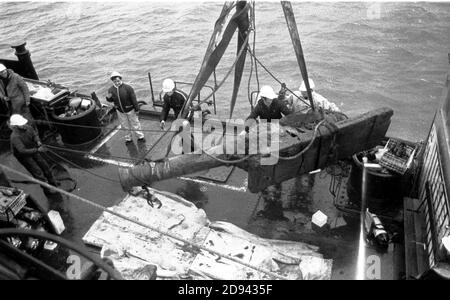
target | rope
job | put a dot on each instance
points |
(165, 233)
(252, 58)
(244, 46)
(89, 153)
(83, 169)
(276, 79)
(249, 95)
(252, 62)
(156, 143)
(224, 161)
(254, 44)
(57, 164)
(307, 147)
(81, 126)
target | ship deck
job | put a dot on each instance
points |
(224, 197)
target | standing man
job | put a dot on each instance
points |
(126, 105)
(27, 148)
(173, 99)
(14, 93)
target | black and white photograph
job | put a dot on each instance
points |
(224, 146)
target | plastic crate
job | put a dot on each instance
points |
(399, 156)
(10, 206)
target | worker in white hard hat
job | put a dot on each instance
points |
(269, 106)
(27, 148)
(173, 99)
(14, 94)
(124, 99)
(319, 100)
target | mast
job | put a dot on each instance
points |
(292, 26)
(243, 25)
(214, 53)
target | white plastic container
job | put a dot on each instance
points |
(446, 242)
(319, 218)
(85, 104)
(57, 221)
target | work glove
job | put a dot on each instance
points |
(42, 149)
(163, 124)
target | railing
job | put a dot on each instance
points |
(434, 200)
(177, 85)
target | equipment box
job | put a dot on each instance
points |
(45, 93)
(11, 202)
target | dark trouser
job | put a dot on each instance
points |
(4, 180)
(176, 111)
(38, 167)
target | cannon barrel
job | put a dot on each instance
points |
(317, 148)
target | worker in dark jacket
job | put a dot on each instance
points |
(14, 93)
(269, 106)
(4, 181)
(127, 107)
(173, 99)
(27, 148)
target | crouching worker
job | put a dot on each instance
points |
(27, 148)
(14, 93)
(173, 99)
(319, 100)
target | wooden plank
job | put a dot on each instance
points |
(420, 236)
(416, 257)
(410, 248)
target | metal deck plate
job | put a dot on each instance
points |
(219, 174)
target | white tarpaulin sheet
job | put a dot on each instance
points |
(133, 248)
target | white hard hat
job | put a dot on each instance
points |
(267, 92)
(2, 67)
(168, 85)
(303, 86)
(17, 120)
(115, 74)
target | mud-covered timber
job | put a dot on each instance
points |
(325, 146)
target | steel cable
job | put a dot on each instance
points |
(165, 233)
